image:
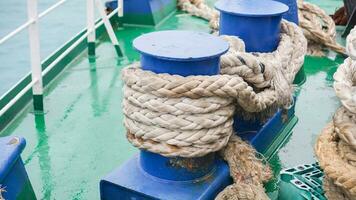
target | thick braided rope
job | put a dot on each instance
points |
(247, 170)
(197, 87)
(351, 44)
(332, 191)
(338, 170)
(199, 8)
(318, 27)
(286, 54)
(2, 190)
(336, 146)
(263, 70)
(192, 116)
(158, 119)
(159, 107)
(178, 116)
(276, 69)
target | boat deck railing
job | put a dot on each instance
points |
(32, 25)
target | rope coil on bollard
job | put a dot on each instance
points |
(318, 27)
(336, 146)
(192, 116)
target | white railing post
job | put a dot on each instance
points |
(120, 7)
(34, 40)
(35, 55)
(108, 27)
(91, 27)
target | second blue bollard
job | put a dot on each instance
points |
(292, 14)
(256, 22)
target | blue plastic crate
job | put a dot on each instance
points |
(303, 182)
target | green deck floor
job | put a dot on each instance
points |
(81, 137)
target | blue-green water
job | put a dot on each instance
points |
(55, 29)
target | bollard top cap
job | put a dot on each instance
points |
(180, 45)
(252, 8)
(10, 150)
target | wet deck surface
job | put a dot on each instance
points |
(81, 137)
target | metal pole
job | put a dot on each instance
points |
(109, 28)
(15, 32)
(49, 68)
(91, 27)
(120, 6)
(50, 9)
(74, 45)
(35, 53)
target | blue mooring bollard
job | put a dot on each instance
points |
(256, 22)
(150, 175)
(292, 14)
(13, 177)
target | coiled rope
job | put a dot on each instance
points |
(247, 170)
(2, 190)
(336, 146)
(318, 27)
(192, 116)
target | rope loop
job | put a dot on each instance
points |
(319, 28)
(336, 146)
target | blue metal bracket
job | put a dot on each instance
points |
(13, 176)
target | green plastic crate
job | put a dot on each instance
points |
(303, 182)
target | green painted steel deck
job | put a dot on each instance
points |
(81, 137)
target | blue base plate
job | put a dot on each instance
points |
(129, 181)
(261, 136)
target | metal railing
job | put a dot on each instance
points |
(34, 40)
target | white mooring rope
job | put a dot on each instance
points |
(2, 191)
(317, 26)
(336, 146)
(158, 108)
(191, 116)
